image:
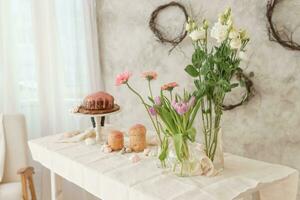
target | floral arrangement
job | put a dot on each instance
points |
(172, 115)
(212, 67)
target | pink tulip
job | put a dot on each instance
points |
(151, 75)
(157, 101)
(152, 111)
(191, 102)
(180, 107)
(123, 78)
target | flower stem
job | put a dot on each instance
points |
(171, 95)
(150, 89)
(147, 110)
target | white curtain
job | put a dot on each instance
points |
(49, 60)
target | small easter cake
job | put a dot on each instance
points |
(116, 140)
(137, 138)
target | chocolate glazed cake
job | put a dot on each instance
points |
(98, 103)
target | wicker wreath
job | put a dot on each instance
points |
(160, 36)
(249, 87)
(283, 37)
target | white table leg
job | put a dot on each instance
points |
(56, 187)
(98, 129)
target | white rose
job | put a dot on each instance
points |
(234, 34)
(243, 56)
(219, 32)
(235, 43)
(198, 34)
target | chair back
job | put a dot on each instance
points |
(16, 146)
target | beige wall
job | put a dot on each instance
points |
(267, 128)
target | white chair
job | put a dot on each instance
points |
(17, 174)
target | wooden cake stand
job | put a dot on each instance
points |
(98, 121)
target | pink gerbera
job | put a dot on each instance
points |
(123, 78)
(150, 75)
(169, 86)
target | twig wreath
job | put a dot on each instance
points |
(283, 37)
(160, 36)
(248, 84)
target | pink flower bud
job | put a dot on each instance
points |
(152, 111)
(157, 101)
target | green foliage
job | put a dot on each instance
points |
(177, 126)
(212, 70)
(178, 143)
(198, 57)
(192, 71)
(164, 152)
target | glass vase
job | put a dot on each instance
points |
(189, 165)
(218, 159)
(213, 147)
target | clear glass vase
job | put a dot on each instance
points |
(189, 166)
(213, 148)
(218, 159)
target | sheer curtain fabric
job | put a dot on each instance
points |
(49, 60)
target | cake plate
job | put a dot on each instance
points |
(99, 123)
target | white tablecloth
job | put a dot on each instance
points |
(114, 177)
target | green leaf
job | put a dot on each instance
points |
(178, 142)
(192, 71)
(197, 83)
(224, 85)
(197, 57)
(162, 156)
(151, 100)
(192, 134)
(234, 85)
(164, 151)
(201, 90)
(195, 111)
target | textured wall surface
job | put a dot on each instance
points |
(267, 128)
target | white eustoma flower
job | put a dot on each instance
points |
(243, 56)
(235, 43)
(244, 35)
(230, 21)
(219, 32)
(225, 18)
(227, 12)
(233, 33)
(198, 34)
(188, 27)
(221, 19)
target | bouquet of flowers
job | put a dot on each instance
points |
(172, 116)
(212, 67)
